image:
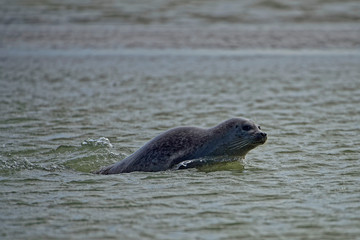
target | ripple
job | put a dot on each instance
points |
(302, 184)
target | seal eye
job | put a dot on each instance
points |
(259, 127)
(246, 127)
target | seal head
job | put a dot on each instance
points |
(232, 138)
(238, 137)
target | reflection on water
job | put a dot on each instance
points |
(253, 24)
(179, 12)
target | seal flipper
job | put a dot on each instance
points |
(104, 170)
(191, 164)
(206, 161)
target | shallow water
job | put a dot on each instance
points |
(84, 85)
(304, 183)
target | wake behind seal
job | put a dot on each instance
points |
(232, 138)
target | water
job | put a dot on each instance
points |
(71, 105)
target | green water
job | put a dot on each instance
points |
(66, 83)
(303, 183)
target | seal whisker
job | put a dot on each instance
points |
(238, 144)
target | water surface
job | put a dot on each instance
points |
(302, 183)
(73, 74)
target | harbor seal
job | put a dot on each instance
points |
(180, 147)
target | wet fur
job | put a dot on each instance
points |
(186, 143)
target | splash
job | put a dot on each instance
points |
(100, 142)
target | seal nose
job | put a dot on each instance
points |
(263, 134)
